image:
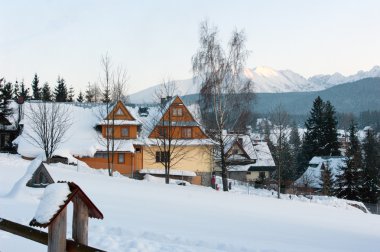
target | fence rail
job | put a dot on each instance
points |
(41, 237)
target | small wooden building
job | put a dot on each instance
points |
(52, 213)
(40, 178)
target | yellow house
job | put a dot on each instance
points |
(149, 135)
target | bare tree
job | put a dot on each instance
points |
(48, 124)
(119, 87)
(280, 129)
(165, 145)
(224, 95)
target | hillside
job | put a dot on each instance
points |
(352, 97)
(151, 216)
(267, 80)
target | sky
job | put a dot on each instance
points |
(155, 40)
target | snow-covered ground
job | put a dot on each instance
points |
(151, 216)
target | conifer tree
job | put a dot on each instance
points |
(89, 93)
(349, 180)
(60, 91)
(46, 93)
(327, 180)
(329, 129)
(321, 132)
(71, 94)
(24, 92)
(6, 94)
(35, 88)
(371, 181)
(16, 91)
(80, 97)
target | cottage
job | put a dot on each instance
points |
(248, 159)
(135, 136)
(311, 178)
(40, 178)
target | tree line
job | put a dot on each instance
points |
(357, 179)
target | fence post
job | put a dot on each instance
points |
(57, 233)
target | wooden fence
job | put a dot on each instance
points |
(41, 237)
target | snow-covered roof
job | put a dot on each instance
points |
(82, 139)
(311, 177)
(54, 196)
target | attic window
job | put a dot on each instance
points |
(177, 111)
(119, 112)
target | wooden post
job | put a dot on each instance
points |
(57, 233)
(80, 221)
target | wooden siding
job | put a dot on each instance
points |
(132, 130)
(132, 162)
(196, 132)
(125, 116)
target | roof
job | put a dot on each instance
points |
(55, 198)
(311, 177)
(83, 140)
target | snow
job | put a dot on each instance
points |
(312, 175)
(152, 216)
(54, 196)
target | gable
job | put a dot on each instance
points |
(180, 116)
(239, 148)
(120, 112)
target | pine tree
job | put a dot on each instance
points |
(46, 93)
(321, 132)
(80, 97)
(71, 94)
(349, 180)
(16, 91)
(6, 94)
(60, 91)
(327, 180)
(329, 129)
(24, 92)
(106, 95)
(371, 181)
(89, 93)
(35, 88)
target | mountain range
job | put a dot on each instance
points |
(268, 80)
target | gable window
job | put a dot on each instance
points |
(109, 131)
(125, 132)
(119, 112)
(186, 133)
(177, 111)
(121, 158)
(162, 156)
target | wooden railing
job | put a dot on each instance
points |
(40, 236)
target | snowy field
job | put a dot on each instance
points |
(151, 216)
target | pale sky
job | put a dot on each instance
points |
(155, 40)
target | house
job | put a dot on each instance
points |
(248, 159)
(311, 178)
(8, 133)
(135, 134)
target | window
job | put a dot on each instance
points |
(119, 112)
(120, 158)
(137, 149)
(186, 133)
(109, 131)
(235, 151)
(101, 155)
(125, 132)
(177, 111)
(262, 174)
(162, 156)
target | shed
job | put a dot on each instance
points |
(52, 213)
(40, 178)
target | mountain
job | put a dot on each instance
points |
(337, 78)
(352, 97)
(267, 80)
